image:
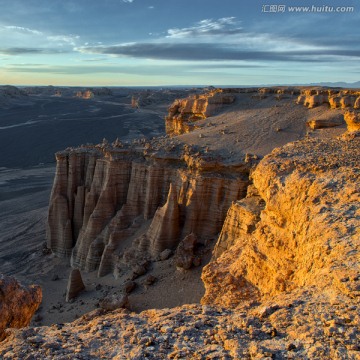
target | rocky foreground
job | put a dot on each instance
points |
(300, 325)
(302, 303)
(284, 278)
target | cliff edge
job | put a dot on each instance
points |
(301, 230)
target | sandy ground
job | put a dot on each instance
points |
(256, 126)
(24, 197)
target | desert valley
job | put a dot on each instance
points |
(180, 223)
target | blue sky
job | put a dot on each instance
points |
(172, 42)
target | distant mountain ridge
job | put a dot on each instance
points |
(338, 84)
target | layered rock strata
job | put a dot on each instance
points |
(101, 197)
(184, 113)
(18, 303)
(307, 233)
(335, 98)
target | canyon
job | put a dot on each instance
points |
(254, 189)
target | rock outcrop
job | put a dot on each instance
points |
(75, 285)
(86, 94)
(18, 303)
(287, 327)
(319, 123)
(184, 113)
(307, 233)
(352, 119)
(185, 256)
(241, 219)
(91, 93)
(335, 98)
(102, 196)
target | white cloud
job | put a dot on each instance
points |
(128, 1)
(19, 40)
(23, 30)
(207, 27)
(64, 39)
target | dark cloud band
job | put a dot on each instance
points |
(213, 52)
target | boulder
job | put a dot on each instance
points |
(185, 253)
(18, 303)
(352, 119)
(114, 302)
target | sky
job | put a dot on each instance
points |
(178, 42)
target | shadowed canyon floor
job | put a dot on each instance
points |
(274, 238)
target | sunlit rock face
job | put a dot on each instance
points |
(299, 228)
(18, 303)
(336, 99)
(352, 119)
(184, 113)
(101, 197)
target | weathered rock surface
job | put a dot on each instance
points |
(325, 123)
(241, 220)
(75, 285)
(183, 113)
(291, 326)
(185, 256)
(101, 196)
(335, 98)
(352, 119)
(18, 303)
(306, 235)
(114, 302)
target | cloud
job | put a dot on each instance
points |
(23, 30)
(97, 69)
(224, 40)
(16, 40)
(213, 52)
(170, 70)
(207, 27)
(29, 51)
(128, 1)
(64, 39)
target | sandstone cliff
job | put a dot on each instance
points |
(335, 98)
(184, 113)
(102, 196)
(17, 304)
(299, 228)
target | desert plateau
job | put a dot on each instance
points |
(232, 231)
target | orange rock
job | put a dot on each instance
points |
(18, 303)
(352, 119)
(306, 235)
